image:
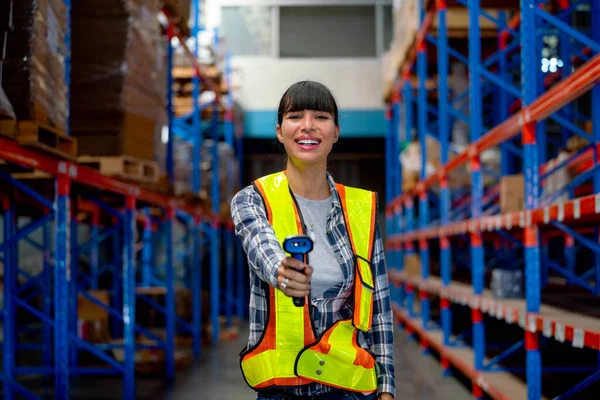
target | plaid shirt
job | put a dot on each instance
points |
(264, 257)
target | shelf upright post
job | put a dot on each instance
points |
(595, 16)
(62, 278)
(171, 313)
(389, 195)
(444, 134)
(529, 66)
(407, 90)
(73, 287)
(240, 255)
(196, 186)
(198, 137)
(506, 161)
(147, 276)
(388, 163)
(169, 158)
(396, 188)
(117, 298)
(197, 283)
(477, 252)
(401, 134)
(389, 189)
(423, 198)
(128, 274)
(94, 250)
(47, 299)
(396, 142)
(542, 146)
(229, 234)
(10, 288)
(215, 243)
(397, 215)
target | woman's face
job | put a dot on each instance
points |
(308, 136)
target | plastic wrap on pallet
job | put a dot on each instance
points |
(5, 105)
(34, 62)
(183, 152)
(406, 25)
(558, 180)
(227, 162)
(507, 284)
(118, 76)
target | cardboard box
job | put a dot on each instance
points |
(118, 79)
(512, 193)
(412, 265)
(88, 311)
(34, 64)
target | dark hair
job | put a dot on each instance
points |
(307, 95)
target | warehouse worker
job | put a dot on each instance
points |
(339, 345)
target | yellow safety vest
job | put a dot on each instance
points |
(288, 353)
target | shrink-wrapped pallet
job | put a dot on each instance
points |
(228, 168)
(406, 25)
(6, 108)
(33, 68)
(118, 77)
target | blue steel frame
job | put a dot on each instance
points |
(476, 213)
(115, 223)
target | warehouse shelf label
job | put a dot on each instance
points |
(578, 338)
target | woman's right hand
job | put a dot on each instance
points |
(296, 276)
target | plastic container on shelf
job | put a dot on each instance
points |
(507, 284)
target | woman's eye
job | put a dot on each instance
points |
(324, 117)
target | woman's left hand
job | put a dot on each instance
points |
(385, 396)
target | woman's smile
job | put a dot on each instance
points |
(308, 143)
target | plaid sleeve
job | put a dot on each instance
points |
(382, 328)
(257, 235)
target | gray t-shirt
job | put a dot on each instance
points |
(327, 272)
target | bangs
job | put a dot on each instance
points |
(307, 96)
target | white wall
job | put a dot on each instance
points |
(355, 83)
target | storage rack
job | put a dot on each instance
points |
(516, 117)
(60, 196)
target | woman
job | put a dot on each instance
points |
(339, 344)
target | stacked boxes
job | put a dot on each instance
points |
(118, 77)
(228, 170)
(34, 64)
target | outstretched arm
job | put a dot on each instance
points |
(257, 235)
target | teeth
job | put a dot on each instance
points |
(308, 142)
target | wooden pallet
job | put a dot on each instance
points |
(18, 172)
(123, 167)
(7, 125)
(45, 138)
(162, 186)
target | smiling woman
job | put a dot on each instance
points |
(339, 344)
(307, 127)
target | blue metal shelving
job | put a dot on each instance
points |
(543, 111)
(133, 252)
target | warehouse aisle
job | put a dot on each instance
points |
(218, 377)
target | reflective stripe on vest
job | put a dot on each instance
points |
(360, 208)
(288, 354)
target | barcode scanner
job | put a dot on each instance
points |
(298, 246)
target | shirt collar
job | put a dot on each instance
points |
(335, 196)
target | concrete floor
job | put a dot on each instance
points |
(418, 377)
